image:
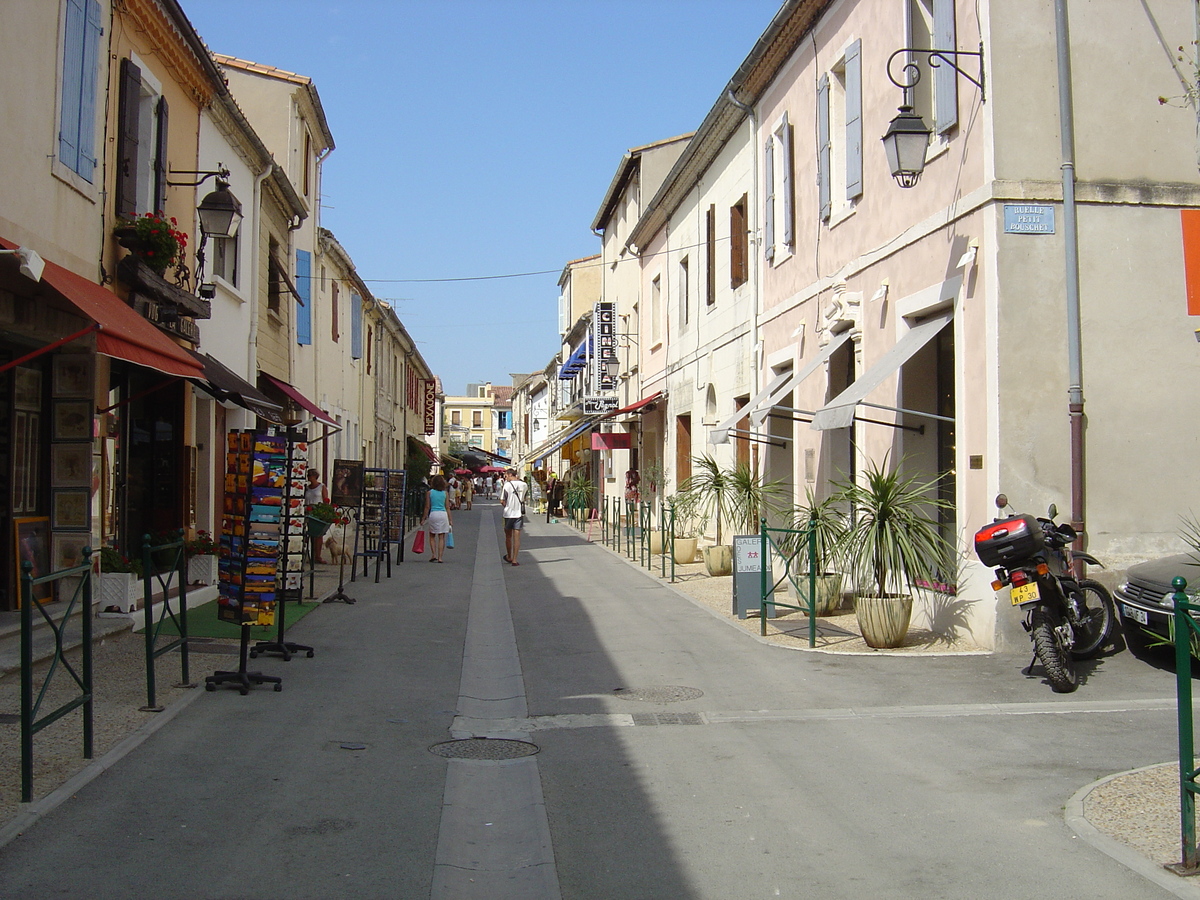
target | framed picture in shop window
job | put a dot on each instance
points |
(69, 510)
(72, 420)
(71, 375)
(71, 465)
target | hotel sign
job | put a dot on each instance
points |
(594, 406)
(429, 395)
(604, 327)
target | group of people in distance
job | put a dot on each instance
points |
(443, 498)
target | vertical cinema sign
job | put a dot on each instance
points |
(429, 397)
(604, 327)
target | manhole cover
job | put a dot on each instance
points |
(670, 693)
(484, 748)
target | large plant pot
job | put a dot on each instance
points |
(718, 560)
(202, 570)
(883, 620)
(656, 543)
(120, 592)
(684, 551)
(829, 592)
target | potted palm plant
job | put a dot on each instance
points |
(891, 544)
(580, 496)
(735, 496)
(688, 525)
(824, 524)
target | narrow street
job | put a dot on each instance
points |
(676, 757)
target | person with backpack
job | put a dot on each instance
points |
(512, 506)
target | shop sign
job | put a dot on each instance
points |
(604, 327)
(595, 406)
(430, 398)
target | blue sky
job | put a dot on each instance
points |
(478, 138)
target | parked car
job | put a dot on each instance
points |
(1144, 598)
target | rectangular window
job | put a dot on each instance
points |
(77, 110)
(683, 448)
(333, 311)
(225, 258)
(839, 134)
(778, 196)
(456, 417)
(684, 295)
(710, 256)
(306, 164)
(738, 244)
(304, 307)
(356, 314)
(477, 418)
(741, 444)
(656, 312)
(275, 282)
(370, 347)
(931, 23)
(141, 182)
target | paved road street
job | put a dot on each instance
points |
(678, 758)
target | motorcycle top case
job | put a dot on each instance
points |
(1009, 540)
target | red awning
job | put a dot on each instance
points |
(429, 451)
(634, 407)
(314, 410)
(123, 333)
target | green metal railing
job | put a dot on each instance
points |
(1185, 634)
(174, 569)
(32, 718)
(787, 548)
(628, 527)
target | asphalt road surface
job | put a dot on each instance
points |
(677, 757)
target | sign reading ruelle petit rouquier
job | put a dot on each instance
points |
(1028, 218)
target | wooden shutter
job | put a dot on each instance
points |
(854, 125)
(160, 156)
(787, 192)
(333, 310)
(769, 198)
(945, 79)
(710, 250)
(823, 149)
(737, 243)
(304, 315)
(72, 88)
(356, 329)
(127, 139)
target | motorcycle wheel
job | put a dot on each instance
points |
(1055, 658)
(1097, 616)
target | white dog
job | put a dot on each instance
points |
(336, 549)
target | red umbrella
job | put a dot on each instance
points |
(492, 469)
(462, 471)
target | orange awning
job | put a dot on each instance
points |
(123, 333)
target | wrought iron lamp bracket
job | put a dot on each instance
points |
(911, 72)
(220, 173)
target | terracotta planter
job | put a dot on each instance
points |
(684, 551)
(883, 620)
(829, 592)
(718, 560)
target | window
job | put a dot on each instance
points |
(778, 195)
(304, 304)
(456, 417)
(275, 280)
(839, 134)
(656, 311)
(684, 295)
(141, 143)
(356, 328)
(370, 347)
(333, 309)
(477, 418)
(683, 448)
(710, 256)
(306, 164)
(931, 25)
(77, 109)
(225, 258)
(738, 243)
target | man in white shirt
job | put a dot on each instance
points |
(512, 505)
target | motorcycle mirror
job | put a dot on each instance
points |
(1067, 531)
(1052, 512)
(1001, 501)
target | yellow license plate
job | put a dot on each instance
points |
(1026, 593)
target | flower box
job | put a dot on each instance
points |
(119, 592)
(202, 570)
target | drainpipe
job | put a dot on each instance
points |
(1071, 240)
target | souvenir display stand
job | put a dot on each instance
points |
(344, 513)
(293, 540)
(381, 521)
(251, 532)
(397, 487)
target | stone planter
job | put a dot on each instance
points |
(883, 620)
(202, 570)
(718, 560)
(656, 543)
(684, 551)
(829, 592)
(120, 592)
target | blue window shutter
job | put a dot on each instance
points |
(355, 326)
(823, 149)
(789, 195)
(87, 95)
(72, 84)
(769, 198)
(854, 126)
(304, 287)
(945, 79)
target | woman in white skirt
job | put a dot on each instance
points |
(437, 519)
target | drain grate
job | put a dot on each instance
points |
(484, 748)
(670, 693)
(667, 719)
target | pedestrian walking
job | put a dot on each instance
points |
(468, 491)
(436, 519)
(512, 503)
(316, 493)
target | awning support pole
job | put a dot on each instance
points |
(95, 326)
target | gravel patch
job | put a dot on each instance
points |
(1141, 810)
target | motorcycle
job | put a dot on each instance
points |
(1067, 618)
